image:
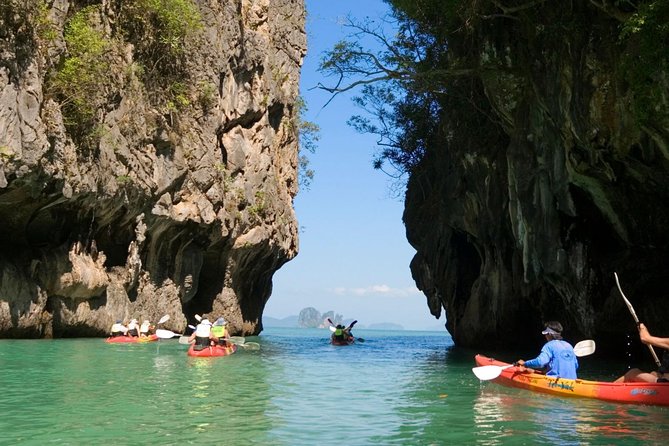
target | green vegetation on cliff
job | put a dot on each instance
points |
(422, 86)
(89, 72)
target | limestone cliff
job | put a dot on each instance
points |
(552, 173)
(148, 161)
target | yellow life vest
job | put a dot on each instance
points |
(218, 331)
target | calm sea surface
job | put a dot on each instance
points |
(397, 388)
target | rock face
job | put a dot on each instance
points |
(157, 178)
(554, 181)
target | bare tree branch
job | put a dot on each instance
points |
(611, 10)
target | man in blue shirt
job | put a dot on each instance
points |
(556, 354)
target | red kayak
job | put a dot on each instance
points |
(348, 341)
(638, 393)
(212, 351)
(132, 339)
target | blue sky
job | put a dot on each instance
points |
(354, 256)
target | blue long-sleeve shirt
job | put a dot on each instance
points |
(559, 356)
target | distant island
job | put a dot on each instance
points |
(311, 318)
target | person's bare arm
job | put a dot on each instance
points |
(647, 338)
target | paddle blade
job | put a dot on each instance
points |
(164, 319)
(237, 339)
(250, 346)
(332, 329)
(165, 334)
(198, 317)
(184, 340)
(584, 348)
(488, 372)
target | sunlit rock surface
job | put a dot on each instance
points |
(178, 208)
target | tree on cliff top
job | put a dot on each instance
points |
(410, 81)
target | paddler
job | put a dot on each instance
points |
(338, 335)
(662, 373)
(118, 329)
(133, 328)
(145, 328)
(203, 336)
(556, 354)
(220, 331)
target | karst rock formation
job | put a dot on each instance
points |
(554, 174)
(148, 161)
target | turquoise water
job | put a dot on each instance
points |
(397, 388)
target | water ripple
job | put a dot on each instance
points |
(397, 388)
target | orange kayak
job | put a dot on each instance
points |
(216, 350)
(635, 393)
(132, 339)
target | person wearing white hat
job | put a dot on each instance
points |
(133, 328)
(118, 329)
(557, 355)
(144, 328)
(203, 336)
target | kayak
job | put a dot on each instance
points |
(208, 352)
(132, 339)
(634, 393)
(346, 341)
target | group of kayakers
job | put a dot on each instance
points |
(558, 358)
(133, 328)
(207, 334)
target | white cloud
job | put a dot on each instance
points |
(376, 290)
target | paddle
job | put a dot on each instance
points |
(488, 372)
(166, 334)
(584, 348)
(163, 319)
(636, 319)
(351, 326)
